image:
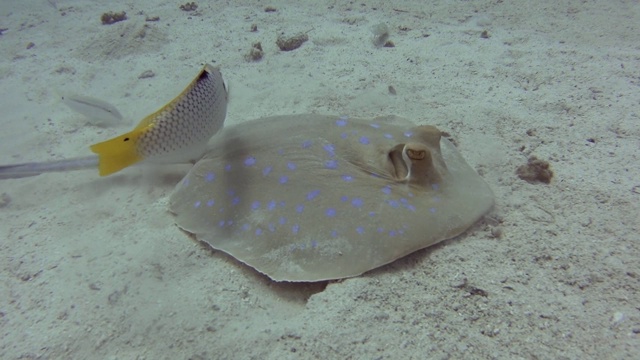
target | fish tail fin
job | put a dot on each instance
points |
(117, 153)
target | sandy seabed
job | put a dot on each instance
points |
(95, 268)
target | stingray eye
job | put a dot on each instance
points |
(398, 163)
(416, 154)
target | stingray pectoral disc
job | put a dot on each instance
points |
(313, 197)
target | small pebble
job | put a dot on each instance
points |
(190, 6)
(111, 17)
(147, 74)
(256, 52)
(291, 43)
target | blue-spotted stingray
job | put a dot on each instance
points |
(312, 197)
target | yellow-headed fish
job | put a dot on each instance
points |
(178, 132)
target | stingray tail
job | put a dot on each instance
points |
(18, 171)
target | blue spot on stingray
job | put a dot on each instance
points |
(197, 204)
(284, 179)
(364, 140)
(245, 227)
(306, 144)
(312, 194)
(267, 170)
(334, 233)
(221, 223)
(372, 213)
(250, 161)
(357, 202)
(210, 203)
(282, 203)
(271, 205)
(291, 166)
(393, 203)
(388, 136)
(280, 151)
(342, 121)
(210, 177)
(386, 189)
(235, 200)
(227, 167)
(360, 230)
(392, 233)
(344, 135)
(295, 228)
(347, 178)
(435, 187)
(282, 220)
(331, 212)
(344, 198)
(300, 208)
(404, 201)
(380, 230)
(314, 244)
(231, 192)
(330, 149)
(408, 133)
(375, 126)
(411, 207)
(255, 205)
(331, 164)
(432, 210)
(258, 232)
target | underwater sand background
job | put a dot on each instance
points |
(95, 267)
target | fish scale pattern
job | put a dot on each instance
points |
(192, 119)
